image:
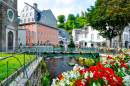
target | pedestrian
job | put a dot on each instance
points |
(65, 47)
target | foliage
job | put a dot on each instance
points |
(43, 65)
(45, 80)
(72, 45)
(103, 44)
(61, 18)
(114, 14)
(13, 63)
(71, 17)
(20, 43)
(26, 43)
(61, 25)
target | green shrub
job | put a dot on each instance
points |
(20, 43)
(45, 80)
(43, 65)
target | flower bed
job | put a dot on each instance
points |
(113, 72)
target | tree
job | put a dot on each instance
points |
(61, 25)
(61, 18)
(77, 15)
(111, 13)
(71, 17)
(72, 45)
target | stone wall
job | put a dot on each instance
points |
(4, 6)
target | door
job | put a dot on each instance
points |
(10, 40)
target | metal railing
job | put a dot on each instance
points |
(58, 49)
(15, 64)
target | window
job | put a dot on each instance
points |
(38, 40)
(45, 28)
(30, 8)
(29, 20)
(129, 39)
(45, 34)
(92, 36)
(29, 40)
(52, 41)
(24, 27)
(24, 20)
(21, 21)
(31, 14)
(32, 33)
(32, 19)
(32, 26)
(42, 27)
(98, 37)
(26, 14)
(32, 40)
(21, 26)
(50, 35)
(41, 40)
(27, 8)
(48, 29)
(91, 29)
(38, 26)
(38, 33)
(44, 40)
(23, 15)
(28, 26)
(28, 33)
(52, 30)
(42, 34)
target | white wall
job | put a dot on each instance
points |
(22, 36)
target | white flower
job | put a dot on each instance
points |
(86, 75)
(91, 75)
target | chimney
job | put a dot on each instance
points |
(35, 5)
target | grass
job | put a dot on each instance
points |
(12, 63)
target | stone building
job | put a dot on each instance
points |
(8, 24)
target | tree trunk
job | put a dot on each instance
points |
(110, 42)
(120, 43)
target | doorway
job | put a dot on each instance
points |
(10, 40)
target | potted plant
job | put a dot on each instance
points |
(21, 44)
(26, 44)
(33, 44)
(103, 44)
(99, 45)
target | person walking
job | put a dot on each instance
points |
(65, 47)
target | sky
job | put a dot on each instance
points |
(59, 7)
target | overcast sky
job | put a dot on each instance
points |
(59, 7)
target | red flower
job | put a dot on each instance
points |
(81, 72)
(106, 62)
(111, 63)
(85, 70)
(60, 77)
(109, 57)
(114, 60)
(127, 54)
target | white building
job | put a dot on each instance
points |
(22, 36)
(75, 33)
(125, 39)
(88, 34)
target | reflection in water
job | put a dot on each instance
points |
(58, 65)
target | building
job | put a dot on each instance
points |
(41, 26)
(88, 34)
(22, 36)
(8, 24)
(75, 33)
(125, 39)
(63, 37)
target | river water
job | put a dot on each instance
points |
(59, 64)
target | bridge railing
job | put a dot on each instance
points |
(58, 49)
(14, 64)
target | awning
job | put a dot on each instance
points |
(91, 41)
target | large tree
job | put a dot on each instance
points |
(61, 18)
(71, 17)
(112, 13)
